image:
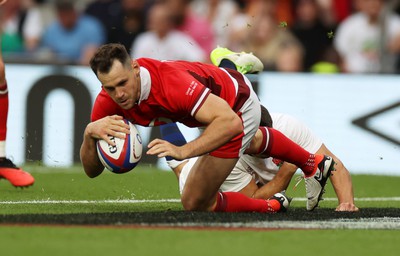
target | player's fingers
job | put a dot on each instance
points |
(120, 126)
(120, 135)
(346, 207)
(154, 149)
(155, 142)
(116, 117)
(108, 140)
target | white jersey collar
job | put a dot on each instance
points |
(145, 84)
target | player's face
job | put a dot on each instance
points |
(122, 83)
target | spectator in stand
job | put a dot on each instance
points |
(289, 58)
(73, 37)
(312, 27)
(219, 14)
(123, 20)
(195, 26)
(275, 46)
(369, 40)
(21, 26)
(248, 16)
(162, 41)
(105, 11)
(336, 10)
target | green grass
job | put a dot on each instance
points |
(119, 241)
(149, 183)
(73, 184)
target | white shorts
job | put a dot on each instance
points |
(235, 182)
(262, 170)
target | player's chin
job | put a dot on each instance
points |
(127, 104)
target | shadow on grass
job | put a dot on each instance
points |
(193, 218)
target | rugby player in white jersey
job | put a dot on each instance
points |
(263, 177)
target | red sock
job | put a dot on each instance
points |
(276, 144)
(3, 111)
(237, 202)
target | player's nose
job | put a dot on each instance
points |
(119, 93)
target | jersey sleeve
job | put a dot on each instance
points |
(183, 93)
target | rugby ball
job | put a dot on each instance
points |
(126, 153)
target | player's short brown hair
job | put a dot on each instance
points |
(266, 119)
(105, 55)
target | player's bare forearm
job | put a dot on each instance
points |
(341, 182)
(217, 133)
(343, 186)
(88, 154)
(222, 124)
(214, 136)
(279, 183)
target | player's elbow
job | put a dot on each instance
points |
(92, 167)
(235, 126)
(92, 172)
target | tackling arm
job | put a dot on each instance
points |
(341, 182)
(279, 183)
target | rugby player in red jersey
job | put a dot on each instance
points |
(15, 175)
(221, 102)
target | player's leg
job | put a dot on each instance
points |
(341, 182)
(8, 170)
(221, 201)
(200, 192)
(317, 168)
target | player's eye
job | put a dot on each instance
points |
(109, 89)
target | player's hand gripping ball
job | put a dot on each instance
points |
(126, 153)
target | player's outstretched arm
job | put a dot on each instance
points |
(222, 124)
(341, 182)
(279, 183)
(100, 129)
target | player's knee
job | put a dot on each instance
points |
(193, 203)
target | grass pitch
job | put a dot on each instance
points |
(139, 213)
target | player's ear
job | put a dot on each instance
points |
(135, 66)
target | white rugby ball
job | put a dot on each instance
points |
(126, 153)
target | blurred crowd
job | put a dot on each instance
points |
(323, 36)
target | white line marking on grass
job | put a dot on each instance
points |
(364, 199)
(122, 201)
(363, 223)
(134, 201)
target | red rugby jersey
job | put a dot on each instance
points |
(176, 92)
